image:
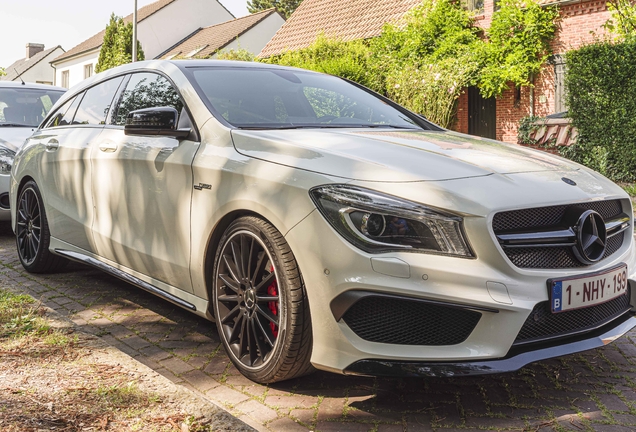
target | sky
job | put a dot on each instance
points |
(64, 22)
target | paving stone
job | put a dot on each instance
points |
(155, 353)
(294, 401)
(176, 365)
(226, 395)
(343, 426)
(304, 415)
(286, 425)
(613, 402)
(256, 410)
(200, 381)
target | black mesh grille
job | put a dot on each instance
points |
(543, 217)
(553, 258)
(550, 216)
(409, 322)
(543, 324)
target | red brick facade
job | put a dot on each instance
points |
(581, 23)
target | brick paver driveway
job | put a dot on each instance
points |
(591, 391)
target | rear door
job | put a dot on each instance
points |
(142, 188)
(65, 169)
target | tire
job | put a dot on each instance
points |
(260, 305)
(32, 233)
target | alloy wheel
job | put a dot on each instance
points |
(248, 299)
(29, 225)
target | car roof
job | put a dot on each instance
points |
(30, 86)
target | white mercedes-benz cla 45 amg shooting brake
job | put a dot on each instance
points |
(323, 226)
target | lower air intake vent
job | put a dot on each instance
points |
(409, 322)
(543, 324)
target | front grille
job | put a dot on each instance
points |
(540, 218)
(543, 324)
(409, 322)
(549, 216)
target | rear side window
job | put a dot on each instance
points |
(96, 103)
(146, 90)
(64, 114)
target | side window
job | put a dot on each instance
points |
(64, 114)
(96, 103)
(146, 90)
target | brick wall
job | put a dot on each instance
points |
(581, 23)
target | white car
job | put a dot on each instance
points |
(22, 108)
(323, 226)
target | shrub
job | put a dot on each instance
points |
(527, 127)
(600, 88)
(238, 54)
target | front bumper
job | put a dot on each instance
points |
(515, 360)
(332, 267)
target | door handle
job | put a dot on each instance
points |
(52, 145)
(108, 147)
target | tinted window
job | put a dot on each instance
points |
(25, 106)
(278, 99)
(96, 103)
(146, 90)
(64, 114)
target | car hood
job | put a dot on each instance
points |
(13, 137)
(393, 155)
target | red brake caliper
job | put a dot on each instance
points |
(273, 306)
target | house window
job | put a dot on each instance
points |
(473, 5)
(559, 84)
(88, 70)
(65, 79)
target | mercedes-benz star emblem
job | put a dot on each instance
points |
(591, 237)
(568, 181)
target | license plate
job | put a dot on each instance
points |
(587, 290)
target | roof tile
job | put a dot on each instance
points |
(346, 20)
(214, 38)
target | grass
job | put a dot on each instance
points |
(54, 381)
(630, 188)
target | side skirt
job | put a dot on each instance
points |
(126, 277)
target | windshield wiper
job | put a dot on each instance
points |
(15, 125)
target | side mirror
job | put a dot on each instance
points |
(154, 121)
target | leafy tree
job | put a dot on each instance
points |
(623, 20)
(284, 7)
(117, 46)
(2, 72)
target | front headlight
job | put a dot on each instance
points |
(376, 222)
(6, 160)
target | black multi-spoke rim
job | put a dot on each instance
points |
(29, 229)
(247, 299)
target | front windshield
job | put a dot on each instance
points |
(25, 107)
(254, 98)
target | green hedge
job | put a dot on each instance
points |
(601, 97)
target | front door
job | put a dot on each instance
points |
(142, 189)
(66, 168)
(482, 114)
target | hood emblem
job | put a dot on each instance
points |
(591, 237)
(568, 181)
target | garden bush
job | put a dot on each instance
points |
(601, 98)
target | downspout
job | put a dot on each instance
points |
(532, 95)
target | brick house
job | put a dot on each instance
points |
(581, 22)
